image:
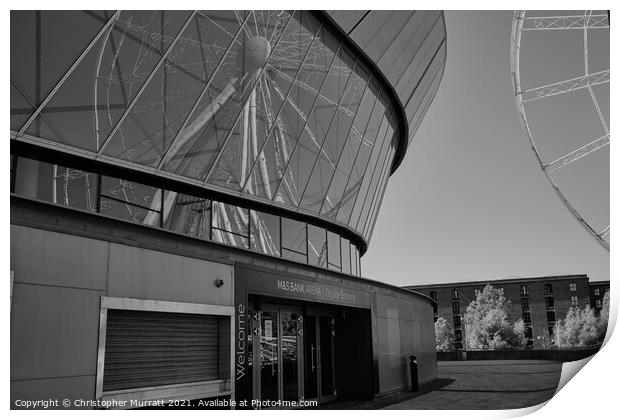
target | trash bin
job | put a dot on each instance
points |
(413, 369)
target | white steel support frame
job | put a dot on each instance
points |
(584, 22)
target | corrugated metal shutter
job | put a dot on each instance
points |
(145, 349)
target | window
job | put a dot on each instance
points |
(598, 304)
(548, 289)
(294, 245)
(230, 225)
(455, 294)
(131, 201)
(523, 290)
(56, 184)
(550, 316)
(527, 318)
(528, 333)
(264, 233)
(574, 300)
(525, 303)
(333, 251)
(458, 335)
(549, 302)
(457, 321)
(187, 214)
(317, 246)
(573, 287)
(346, 255)
(456, 308)
(551, 330)
(597, 292)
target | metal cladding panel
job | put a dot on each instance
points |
(145, 349)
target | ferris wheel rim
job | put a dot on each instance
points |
(515, 46)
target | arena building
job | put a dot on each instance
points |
(191, 196)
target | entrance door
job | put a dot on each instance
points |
(319, 369)
(278, 355)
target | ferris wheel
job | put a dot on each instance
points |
(560, 74)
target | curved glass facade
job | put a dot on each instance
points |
(275, 106)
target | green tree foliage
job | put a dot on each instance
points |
(444, 338)
(487, 325)
(581, 327)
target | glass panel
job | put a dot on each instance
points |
(61, 36)
(269, 356)
(281, 70)
(354, 264)
(187, 214)
(294, 237)
(384, 37)
(346, 255)
(294, 256)
(290, 355)
(56, 184)
(426, 45)
(21, 107)
(372, 24)
(207, 127)
(333, 251)
(347, 19)
(311, 369)
(326, 327)
(91, 101)
(429, 76)
(379, 189)
(422, 105)
(131, 201)
(155, 120)
(265, 233)
(375, 122)
(308, 84)
(257, 113)
(336, 195)
(317, 246)
(399, 54)
(230, 225)
(332, 149)
(366, 176)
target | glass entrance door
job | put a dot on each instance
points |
(319, 368)
(268, 356)
(278, 356)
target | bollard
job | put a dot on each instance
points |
(413, 368)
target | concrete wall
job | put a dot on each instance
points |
(403, 327)
(58, 282)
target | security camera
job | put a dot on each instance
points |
(219, 282)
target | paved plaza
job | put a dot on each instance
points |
(489, 384)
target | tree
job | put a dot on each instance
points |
(581, 327)
(604, 315)
(444, 338)
(487, 325)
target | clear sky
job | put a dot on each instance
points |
(469, 201)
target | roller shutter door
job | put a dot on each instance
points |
(148, 349)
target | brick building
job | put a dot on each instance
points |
(539, 301)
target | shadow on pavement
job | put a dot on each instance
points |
(377, 403)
